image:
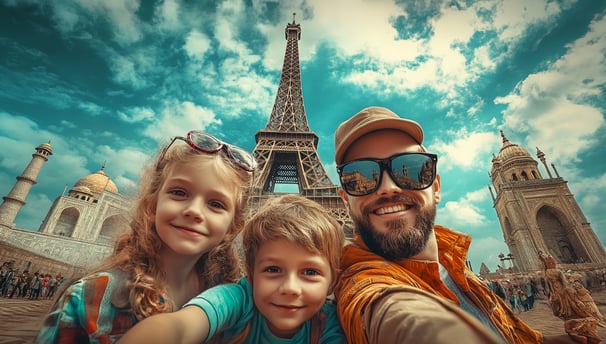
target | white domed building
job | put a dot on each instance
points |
(78, 231)
(93, 210)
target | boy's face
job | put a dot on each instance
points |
(290, 285)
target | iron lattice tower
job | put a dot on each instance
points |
(286, 150)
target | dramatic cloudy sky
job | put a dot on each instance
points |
(109, 81)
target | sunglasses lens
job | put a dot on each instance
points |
(360, 177)
(204, 141)
(413, 171)
(243, 158)
(410, 171)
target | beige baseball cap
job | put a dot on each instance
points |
(368, 120)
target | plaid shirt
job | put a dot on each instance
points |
(85, 313)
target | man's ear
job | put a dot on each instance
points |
(436, 189)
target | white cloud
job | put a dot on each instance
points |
(443, 61)
(461, 214)
(168, 15)
(123, 165)
(230, 15)
(555, 107)
(452, 30)
(91, 108)
(177, 118)
(124, 71)
(65, 16)
(122, 16)
(466, 211)
(235, 83)
(137, 114)
(78, 14)
(483, 61)
(513, 17)
(62, 126)
(565, 130)
(591, 191)
(346, 23)
(196, 44)
(466, 150)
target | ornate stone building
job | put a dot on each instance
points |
(93, 210)
(78, 230)
(540, 214)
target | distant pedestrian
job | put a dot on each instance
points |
(52, 286)
(531, 291)
(20, 285)
(44, 285)
(27, 279)
(35, 286)
(8, 280)
(14, 285)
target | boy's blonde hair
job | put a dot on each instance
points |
(298, 220)
(137, 250)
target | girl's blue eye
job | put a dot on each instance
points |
(178, 192)
(311, 272)
(272, 269)
(217, 204)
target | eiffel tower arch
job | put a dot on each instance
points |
(286, 150)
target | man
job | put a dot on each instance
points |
(405, 278)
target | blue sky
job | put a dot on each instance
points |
(109, 81)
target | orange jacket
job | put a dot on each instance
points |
(367, 278)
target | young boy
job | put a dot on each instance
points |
(292, 248)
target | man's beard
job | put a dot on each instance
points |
(403, 239)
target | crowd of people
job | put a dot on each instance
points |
(520, 293)
(33, 286)
(175, 277)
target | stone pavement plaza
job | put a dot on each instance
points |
(21, 318)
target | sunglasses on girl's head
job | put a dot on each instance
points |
(207, 143)
(410, 171)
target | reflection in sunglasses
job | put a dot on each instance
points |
(410, 171)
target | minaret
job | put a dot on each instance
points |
(286, 150)
(16, 197)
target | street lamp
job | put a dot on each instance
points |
(508, 257)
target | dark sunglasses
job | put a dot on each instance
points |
(410, 171)
(207, 143)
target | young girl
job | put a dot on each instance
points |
(292, 248)
(190, 207)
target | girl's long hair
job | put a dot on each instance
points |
(136, 251)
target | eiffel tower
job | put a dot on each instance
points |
(286, 150)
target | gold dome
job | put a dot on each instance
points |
(511, 150)
(82, 189)
(97, 182)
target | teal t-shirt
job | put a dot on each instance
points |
(230, 307)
